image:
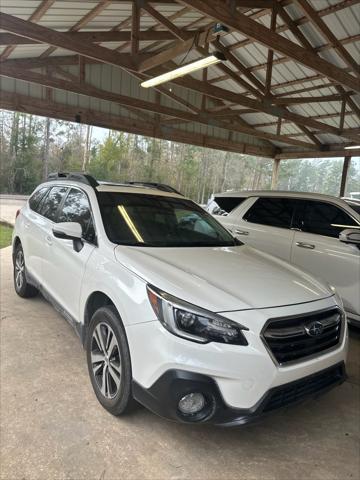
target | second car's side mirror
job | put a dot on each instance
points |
(350, 235)
(69, 231)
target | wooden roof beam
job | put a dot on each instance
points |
(178, 48)
(89, 90)
(135, 27)
(39, 12)
(240, 99)
(93, 37)
(36, 106)
(259, 33)
(60, 40)
(93, 13)
(161, 19)
(324, 30)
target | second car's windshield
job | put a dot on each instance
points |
(159, 221)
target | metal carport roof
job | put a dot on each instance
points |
(290, 84)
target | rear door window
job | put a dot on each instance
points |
(76, 208)
(229, 203)
(36, 197)
(323, 218)
(275, 212)
(50, 205)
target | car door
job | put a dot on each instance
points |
(32, 237)
(317, 249)
(64, 265)
(265, 224)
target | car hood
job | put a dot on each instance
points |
(223, 278)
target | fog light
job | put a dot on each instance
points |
(191, 403)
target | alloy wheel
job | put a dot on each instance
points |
(106, 360)
(19, 269)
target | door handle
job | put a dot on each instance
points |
(48, 240)
(309, 246)
(27, 224)
(241, 232)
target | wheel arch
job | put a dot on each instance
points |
(96, 300)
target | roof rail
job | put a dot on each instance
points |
(75, 177)
(159, 186)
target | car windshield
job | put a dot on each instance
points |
(159, 221)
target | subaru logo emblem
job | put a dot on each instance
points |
(315, 328)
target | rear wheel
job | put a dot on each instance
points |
(22, 287)
(108, 359)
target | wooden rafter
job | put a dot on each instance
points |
(135, 28)
(321, 26)
(93, 13)
(300, 21)
(244, 25)
(239, 99)
(270, 57)
(94, 37)
(39, 12)
(163, 20)
(295, 23)
(25, 104)
(177, 48)
(58, 39)
(91, 91)
(324, 116)
(317, 154)
(198, 86)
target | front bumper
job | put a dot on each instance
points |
(163, 396)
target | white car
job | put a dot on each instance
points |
(318, 233)
(174, 311)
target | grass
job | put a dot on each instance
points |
(5, 235)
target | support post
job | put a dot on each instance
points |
(344, 175)
(275, 174)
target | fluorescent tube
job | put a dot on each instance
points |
(213, 59)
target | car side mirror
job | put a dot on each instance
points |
(350, 235)
(69, 231)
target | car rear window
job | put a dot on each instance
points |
(228, 203)
(275, 212)
(36, 197)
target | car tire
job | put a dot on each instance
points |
(109, 363)
(22, 287)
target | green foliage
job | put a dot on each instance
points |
(27, 152)
(5, 235)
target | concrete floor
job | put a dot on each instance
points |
(52, 426)
(9, 204)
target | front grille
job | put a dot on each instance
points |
(294, 338)
(300, 389)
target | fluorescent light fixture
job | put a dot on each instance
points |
(352, 147)
(213, 59)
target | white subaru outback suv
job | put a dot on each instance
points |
(174, 311)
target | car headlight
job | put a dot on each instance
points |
(194, 323)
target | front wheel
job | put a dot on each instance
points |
(108, 360)
(22, 286)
